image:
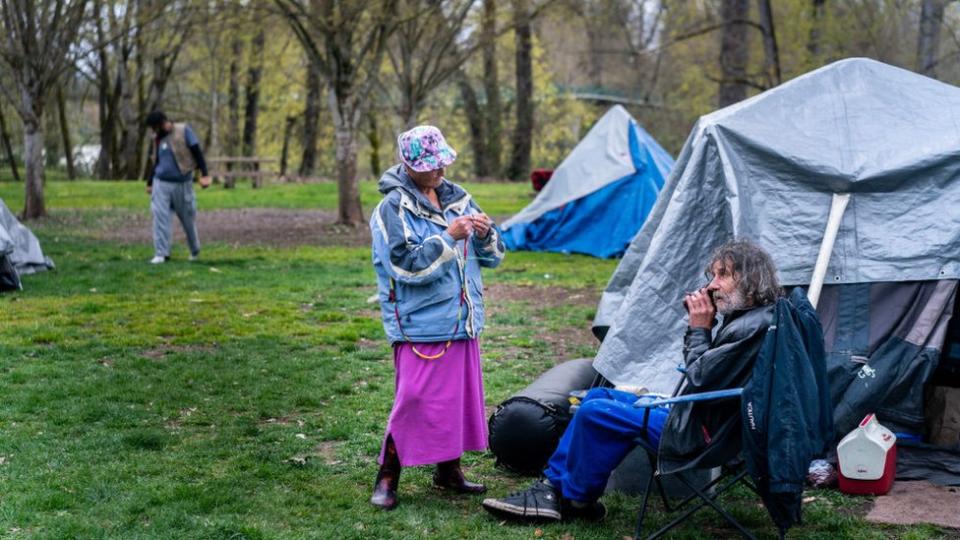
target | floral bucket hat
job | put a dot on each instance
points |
(423, 149)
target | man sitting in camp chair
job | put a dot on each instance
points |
(743, 288)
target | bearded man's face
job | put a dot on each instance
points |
(724, 288)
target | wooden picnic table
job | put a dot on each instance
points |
(229, 168)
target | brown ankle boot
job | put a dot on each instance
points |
(449, 476)
(388, 478)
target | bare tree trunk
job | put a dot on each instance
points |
(284, 150)
(734, 53)
(105, 159)
(213, 142)
(163, 64)
(373, 136)
(475, 121)
(595, 61)
(113, 118)
(158, 85)
(816, 12)
(108, 137)
(33, 156)
(252, 110)
(770, 49)
(233, 106)
(345, 113)
(409, 104)
(130, 135)
(519, 166)
(410, 114)
(8, 146)
(34, 206)
(491, 86)
(142, 141)
(51, 133)
(253, 101)
(213, 44)
(928, 41)
(65, 134)
(403, 63)
(311, 120)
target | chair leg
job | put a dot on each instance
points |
(643, 507)
(726, 515)
(686, 500)
(705, 500)
(666, 500)
(749, 483)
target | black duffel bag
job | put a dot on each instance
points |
(525, 428)
(9, 279)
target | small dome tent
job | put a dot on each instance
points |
(20, 252)
(599, 196)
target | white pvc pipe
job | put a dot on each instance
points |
(837, 207)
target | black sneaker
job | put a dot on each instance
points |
(540, 502)
(594, 511)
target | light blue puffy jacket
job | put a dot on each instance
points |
(423, 266)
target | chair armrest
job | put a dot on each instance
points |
(703, 396)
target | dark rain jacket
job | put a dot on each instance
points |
(713, 362)
(788, 417)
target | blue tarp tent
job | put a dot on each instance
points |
(599, 197)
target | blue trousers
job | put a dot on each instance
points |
(600, 435)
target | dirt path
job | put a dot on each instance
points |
(563, 344)
(248, 226)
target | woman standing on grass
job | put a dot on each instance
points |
(429, 241)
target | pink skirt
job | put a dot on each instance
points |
(438, 409)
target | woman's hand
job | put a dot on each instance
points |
(460, 228)
(701, 309)
(481, 224)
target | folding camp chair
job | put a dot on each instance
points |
(731, 474)
(789, 376)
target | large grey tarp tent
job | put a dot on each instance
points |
(768, 169)
(20, 252)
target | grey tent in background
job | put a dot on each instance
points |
(20, 252)
(882, 140)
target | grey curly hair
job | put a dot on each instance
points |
(754, 270)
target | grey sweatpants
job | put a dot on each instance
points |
(176, 196)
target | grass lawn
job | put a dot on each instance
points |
(497, 198)
(245, 396)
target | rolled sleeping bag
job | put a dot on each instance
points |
(525, 428)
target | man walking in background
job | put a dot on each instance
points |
(176, 154)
